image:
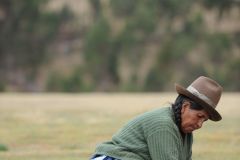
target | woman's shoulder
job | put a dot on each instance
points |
(156, 118)
(162, 113)
(147, 123)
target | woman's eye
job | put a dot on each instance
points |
(200, 116)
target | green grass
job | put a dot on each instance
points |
(3, 147)
(68, 127)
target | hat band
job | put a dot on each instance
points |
(195, 92)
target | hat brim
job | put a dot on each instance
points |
(213, 114)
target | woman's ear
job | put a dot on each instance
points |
(185, 105)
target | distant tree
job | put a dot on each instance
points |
(96, 6)
(101, 60)
(221, 5)
(124, 7)
(26, 31)
(219, 46)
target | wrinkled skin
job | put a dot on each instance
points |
(192, 119)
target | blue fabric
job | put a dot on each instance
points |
(106, 158)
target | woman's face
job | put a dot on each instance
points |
(192, 119)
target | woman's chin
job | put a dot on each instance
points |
(187, 130)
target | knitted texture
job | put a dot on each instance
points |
(150, 136)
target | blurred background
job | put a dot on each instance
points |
(109, 45)
(122, 58)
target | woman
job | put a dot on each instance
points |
(165, 133)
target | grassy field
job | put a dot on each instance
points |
(68, 126)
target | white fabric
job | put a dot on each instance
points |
(99, 158)
(195, 92)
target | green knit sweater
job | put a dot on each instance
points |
(150, 136)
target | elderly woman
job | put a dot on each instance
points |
(165, 133)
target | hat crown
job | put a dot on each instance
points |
(206, 92)
(208, 88)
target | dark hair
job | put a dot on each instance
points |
(177, 107)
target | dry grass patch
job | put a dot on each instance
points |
(68, 126)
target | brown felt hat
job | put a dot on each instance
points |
(206, 92)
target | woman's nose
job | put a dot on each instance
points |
(199, 124)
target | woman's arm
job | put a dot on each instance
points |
(164, 144)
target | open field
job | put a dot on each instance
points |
(68, 126)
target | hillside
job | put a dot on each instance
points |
(143, 46)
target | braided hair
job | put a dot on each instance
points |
(177, 107)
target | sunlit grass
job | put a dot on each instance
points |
(68, 127)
